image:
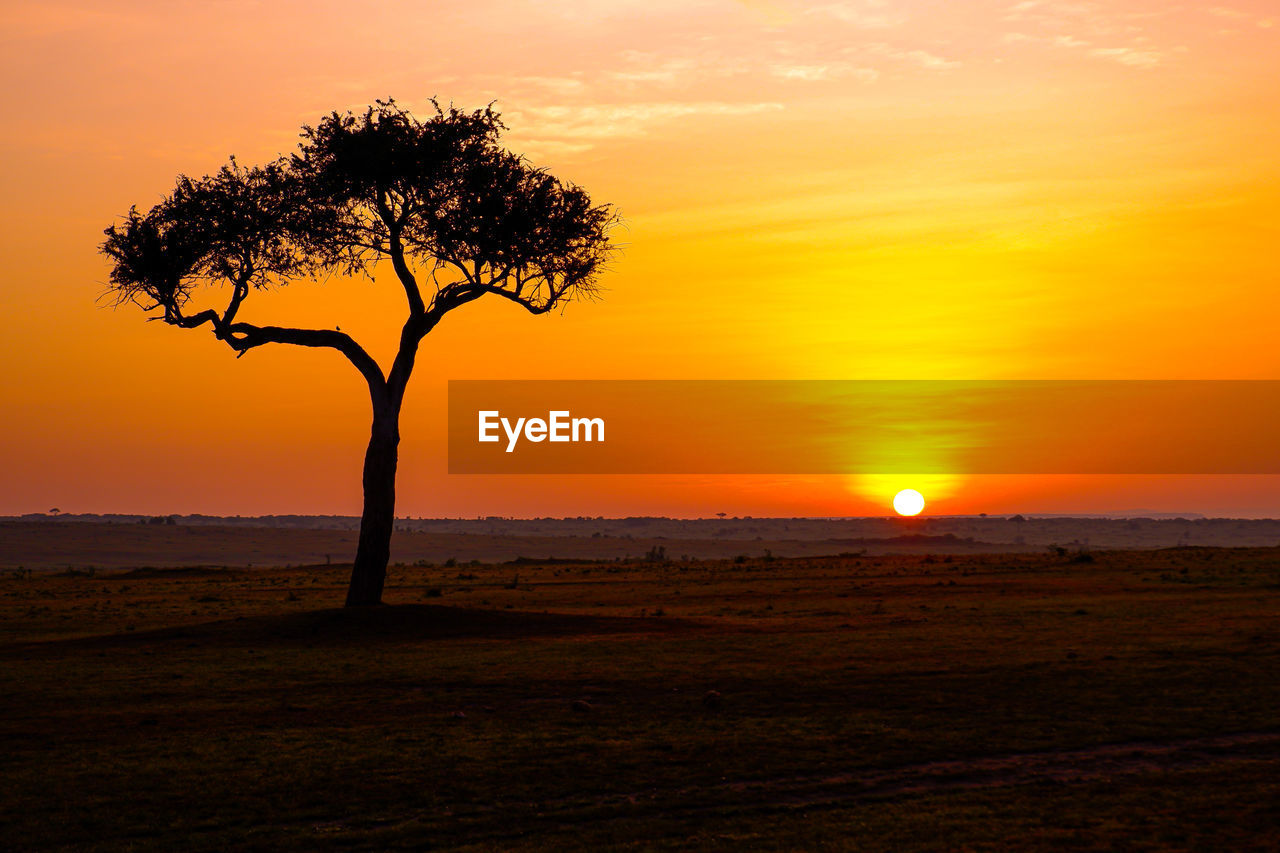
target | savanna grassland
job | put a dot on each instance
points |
(1122, 700)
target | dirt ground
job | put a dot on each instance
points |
(1097, 700)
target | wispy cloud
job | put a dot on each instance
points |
(827, 71)
(1225, 12)
(1079, 19)
(1241, 16)
(572, 85)
(924, 59)
(542, 149)
(1137, 55)
(918, 57)
(1129, 56)
(866, 14)
(1060, 9)
(602, 121)
(647, 67)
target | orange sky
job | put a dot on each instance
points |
(838, 190)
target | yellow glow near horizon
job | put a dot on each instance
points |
(873, 487)
(908, 502)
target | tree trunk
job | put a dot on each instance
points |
(378, 519)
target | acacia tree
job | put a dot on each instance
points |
(456, 215)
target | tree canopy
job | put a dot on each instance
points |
(458, 217)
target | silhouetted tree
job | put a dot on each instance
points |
(457, 216)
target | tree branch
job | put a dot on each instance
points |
(416, 305)
(175, 318)
(415, 329)
(475, 291)
(245, 336)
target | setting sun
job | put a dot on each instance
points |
(908, 502)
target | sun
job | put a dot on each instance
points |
(908, 502)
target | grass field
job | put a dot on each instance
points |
(1106, 701)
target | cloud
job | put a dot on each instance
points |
(828, 71)
(1129, 56)
(923, 58)
(1237, 15)
(557, 85)
(645, 67)
(774, 13)
(603, 121)
(1081, 20)
(1135, 57)
(1044, 9)
(670, 72)
(542, 149)
(866, 15)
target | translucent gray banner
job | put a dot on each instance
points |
(864, 427)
